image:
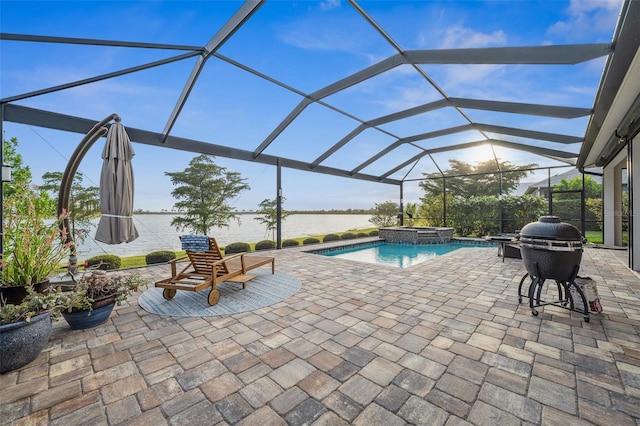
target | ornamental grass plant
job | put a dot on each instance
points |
(34, 246)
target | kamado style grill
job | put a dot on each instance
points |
(552, 249)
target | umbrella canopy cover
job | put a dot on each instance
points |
(116, 189)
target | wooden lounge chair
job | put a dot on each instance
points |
(208, 269)
(248, 262)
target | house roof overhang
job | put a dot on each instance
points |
(616, 116)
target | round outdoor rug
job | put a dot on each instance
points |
(264, 290)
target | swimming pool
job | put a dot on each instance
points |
(396, 254)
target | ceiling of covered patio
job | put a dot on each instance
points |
(377, 91)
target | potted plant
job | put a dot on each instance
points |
(34, 246)
(94, 296)
(25, 328)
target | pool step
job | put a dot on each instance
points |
(416, 235)
(429, 236)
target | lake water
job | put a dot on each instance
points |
(156, 232)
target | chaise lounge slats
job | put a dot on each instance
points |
(207, 269)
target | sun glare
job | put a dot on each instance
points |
(484, 153)
(478, 154)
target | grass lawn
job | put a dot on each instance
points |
(594, 237)
(597, 238)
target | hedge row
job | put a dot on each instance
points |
(112, 261)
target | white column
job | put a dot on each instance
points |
(634, 221)
(612, 199)
(608, 204)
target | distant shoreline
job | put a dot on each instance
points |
(157, 233)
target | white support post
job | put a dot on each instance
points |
(634, 225)
(612, 200)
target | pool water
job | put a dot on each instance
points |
(398, 255)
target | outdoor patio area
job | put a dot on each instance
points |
(444, 342)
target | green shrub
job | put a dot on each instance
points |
(373, 233)
(265, 245)
(362, 234)
(330, 237)
(310, 240)
(105, 262)
(237, 248)
(290, 243)
(347, 236)
(160, 256)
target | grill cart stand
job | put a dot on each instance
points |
(552, 250)
(565, 296)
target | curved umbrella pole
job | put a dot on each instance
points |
(97, 131)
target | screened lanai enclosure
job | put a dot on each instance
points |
(484, 204)
(369, 95)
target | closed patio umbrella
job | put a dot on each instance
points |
(116, 189)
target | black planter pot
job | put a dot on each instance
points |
(42, 287)
(21, 342)
(14, 295)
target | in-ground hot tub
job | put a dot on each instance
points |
(416, 234)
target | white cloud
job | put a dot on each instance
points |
(329, 4)
(409, 97)
(471, 74)
(326, 33)
(586, 18)
(457, 37)
(316, 39)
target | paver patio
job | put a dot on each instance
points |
(441, 343)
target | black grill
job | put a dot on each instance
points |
(551, 249)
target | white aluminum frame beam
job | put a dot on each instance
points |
(550, 55)
(564, 156)
(67, 123)
(231, 26)
(531, 134)
(498, 106)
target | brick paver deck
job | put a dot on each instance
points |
(441, 343)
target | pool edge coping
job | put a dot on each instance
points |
(372, 243)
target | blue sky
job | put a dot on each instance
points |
(306, 45)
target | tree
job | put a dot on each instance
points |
(20, 185)
(269, 215)
(385, 214)
(411, 210)
(84, 202)
(205, 190)
(431, 209)
(481, 179)
(20, 174)
(592, 189)
(567, 205)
